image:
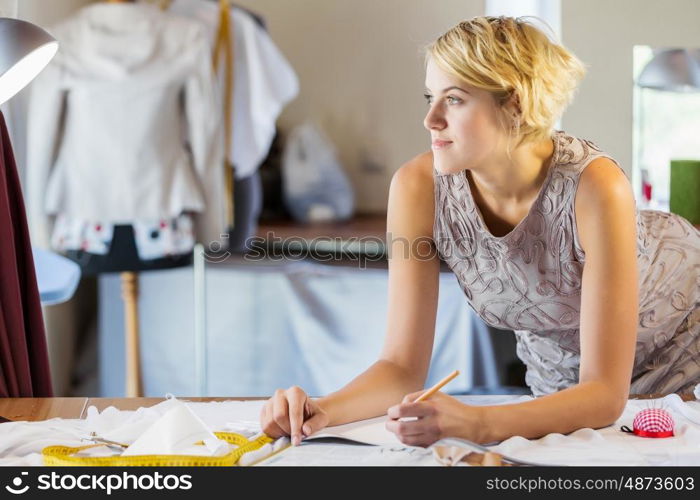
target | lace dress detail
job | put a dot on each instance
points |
(529, 280)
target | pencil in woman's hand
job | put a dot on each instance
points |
(437, 386)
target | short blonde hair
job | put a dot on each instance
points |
(506, 56)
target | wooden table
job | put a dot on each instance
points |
(33, 409)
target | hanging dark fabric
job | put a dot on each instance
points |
(24, 363)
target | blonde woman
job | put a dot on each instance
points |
(541, 230)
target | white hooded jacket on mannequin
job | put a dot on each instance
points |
(125, 123)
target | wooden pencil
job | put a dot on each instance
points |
(437, 387)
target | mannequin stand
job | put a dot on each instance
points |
(123, 256)
(130, 295)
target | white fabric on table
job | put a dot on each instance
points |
(610, 446)
(21, 442)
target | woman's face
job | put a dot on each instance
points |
(463, 122)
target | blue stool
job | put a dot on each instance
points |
(56, 276)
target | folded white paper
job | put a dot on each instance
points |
(175, 433)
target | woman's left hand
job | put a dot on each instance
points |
(438, 417)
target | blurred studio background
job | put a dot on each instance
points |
(276, 126)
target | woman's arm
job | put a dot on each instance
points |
(412, 305)
(605, 216)
(413, 290)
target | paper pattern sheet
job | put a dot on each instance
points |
(373, 431)
(350, 454)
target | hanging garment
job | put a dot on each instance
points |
(263, 82)
(125, 123)
(24, 363)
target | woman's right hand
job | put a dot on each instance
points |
(292, 413)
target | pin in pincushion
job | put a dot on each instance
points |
(652, 422)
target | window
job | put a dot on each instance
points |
(666, 126)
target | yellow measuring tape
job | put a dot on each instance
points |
(66, 455)
(224, 47)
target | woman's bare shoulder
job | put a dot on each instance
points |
(416, 174)
(411, 196)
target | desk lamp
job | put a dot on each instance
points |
(25, 50)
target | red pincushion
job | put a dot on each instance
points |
(652, 422)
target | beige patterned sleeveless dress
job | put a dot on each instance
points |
(529, 280)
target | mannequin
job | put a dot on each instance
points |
(139, 164)
(123, 258)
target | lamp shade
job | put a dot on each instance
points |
(674, 70)
(25, 50)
